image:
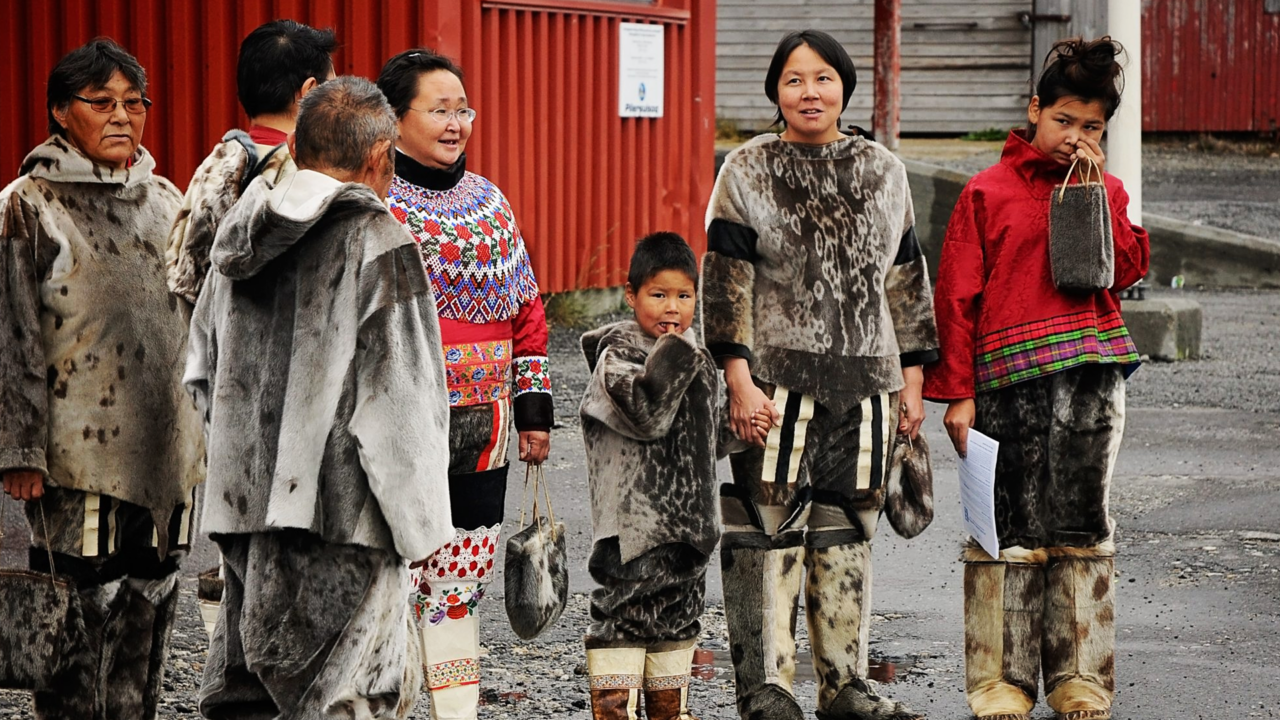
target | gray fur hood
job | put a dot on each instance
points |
(257, 232)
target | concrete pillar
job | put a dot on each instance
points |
(1124, 131)
(888, 69)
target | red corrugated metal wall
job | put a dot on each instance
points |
(1210, 65)
(584, 182)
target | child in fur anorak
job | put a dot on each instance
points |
(1043, 372)
(648, 419)
(818, 307)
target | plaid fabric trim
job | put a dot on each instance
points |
(616, 682)
(1048, 346)
(667, 682)
(454, 673)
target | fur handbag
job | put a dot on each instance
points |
(909, 495)
(37, 611)
(1081, 249)
(536, 571)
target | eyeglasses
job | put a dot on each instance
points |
(133, 106)
(442, 115)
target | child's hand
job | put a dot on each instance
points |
(958, 420)
(1089, 149)
(762, 422)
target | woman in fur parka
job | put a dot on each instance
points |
(1042, 371)
(818, 307)
(96, 433)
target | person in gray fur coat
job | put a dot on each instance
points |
(817, 305)
(315, 353)
(96, 432)
(649, 423)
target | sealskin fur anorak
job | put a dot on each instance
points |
(814, 272)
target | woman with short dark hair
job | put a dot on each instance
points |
(97, 434)
(495, 343)
(816, 302)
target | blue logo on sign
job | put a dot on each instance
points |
(641, 91)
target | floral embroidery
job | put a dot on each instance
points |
(453, 673)
(452, 582)
(478, 373)
(531, 375)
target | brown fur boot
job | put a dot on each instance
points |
(1003, 621)
(762, 577)
(838, 609)
(666, 683)
(1079, 633)
(617, 675)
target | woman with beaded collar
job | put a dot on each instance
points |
(495, 342)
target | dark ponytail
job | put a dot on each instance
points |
(1081, 68)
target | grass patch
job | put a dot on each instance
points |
(988, 135)
(566, 310)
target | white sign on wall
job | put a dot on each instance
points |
(640, 69)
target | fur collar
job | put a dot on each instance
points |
(57, 160)
(627, 332)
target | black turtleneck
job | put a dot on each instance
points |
(412, 171)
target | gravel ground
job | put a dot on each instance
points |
(546, 677)
(1220, 188)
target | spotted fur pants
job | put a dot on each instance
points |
(1046, 606)
(448, 589)
(113, 663)
(801, 513)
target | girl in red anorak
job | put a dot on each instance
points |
(1042, 371)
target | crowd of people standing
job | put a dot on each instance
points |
(337, 325)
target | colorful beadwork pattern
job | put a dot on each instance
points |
(470, 246)
(531, 375)
(478, 373)
(1049, 346)
(666, 682)
(454, 673)
(616, 682)
(453, 581)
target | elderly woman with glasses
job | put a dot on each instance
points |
(97, 435)
(495, 344)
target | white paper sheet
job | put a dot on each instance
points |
(977, 491)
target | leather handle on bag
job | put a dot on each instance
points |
(44, 525)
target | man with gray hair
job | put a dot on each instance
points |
(315, 355)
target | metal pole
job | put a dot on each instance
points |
(888, 69)
(1124, 131)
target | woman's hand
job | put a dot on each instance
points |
(1089, 149)
(746, 402)
(911, 401)
(535, 445)
(958, 420)
(24, 484)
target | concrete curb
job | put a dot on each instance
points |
(1203, 256)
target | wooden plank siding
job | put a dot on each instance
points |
(965, 66)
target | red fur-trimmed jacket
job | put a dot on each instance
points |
(1000, 317)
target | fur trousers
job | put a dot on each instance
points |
(114, 659)
(800, 515)
(448, 589)
(309, 629)
(1059, 437)
(653, 601)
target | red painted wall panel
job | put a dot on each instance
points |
(584, 183)
(1210, 66)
